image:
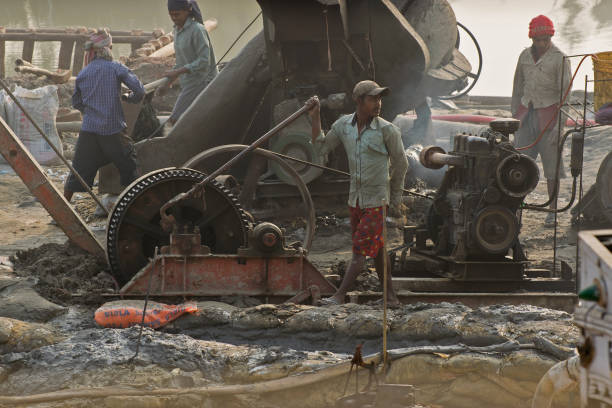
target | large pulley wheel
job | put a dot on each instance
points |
(134, 231)
(472, 76)
(298, 146)
(495, 229)
(199, 161)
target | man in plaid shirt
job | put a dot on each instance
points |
(97, 95)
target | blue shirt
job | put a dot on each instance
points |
(97, 94)
(193, 51)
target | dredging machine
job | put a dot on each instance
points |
(180, 231)
(311, 47)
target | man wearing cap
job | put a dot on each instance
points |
(535, 99)
(97, 94)
(377, 164)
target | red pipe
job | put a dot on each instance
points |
(482, 119)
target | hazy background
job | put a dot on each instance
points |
(501, 26)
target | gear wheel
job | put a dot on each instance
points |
(133, 229)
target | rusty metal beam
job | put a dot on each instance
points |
(204, 275)
(33, 176)
(557, 301)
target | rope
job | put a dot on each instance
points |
(238, 38)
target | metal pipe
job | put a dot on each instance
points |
(167, 221)
(55, 149)
(554, 210)
(446, 159)
(385, 355)
(434, 157)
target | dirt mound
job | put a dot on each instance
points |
(64, 270)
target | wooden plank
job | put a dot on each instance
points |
(79, 56)
(28, 50)
(34, 177)
(135, 46)
(65, 54)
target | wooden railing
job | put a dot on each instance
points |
(72, 43)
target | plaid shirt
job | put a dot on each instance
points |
(97, 94)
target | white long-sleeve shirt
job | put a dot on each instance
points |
(539, 82)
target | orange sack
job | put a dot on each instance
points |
(124, 314)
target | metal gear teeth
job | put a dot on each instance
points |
(127, 197)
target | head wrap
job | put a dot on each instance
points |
(99, 46)
(541, 25)
(174, 5)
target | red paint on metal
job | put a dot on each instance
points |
(33, 176)
(217, 275)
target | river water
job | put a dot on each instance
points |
(583, 26)
(232, 16)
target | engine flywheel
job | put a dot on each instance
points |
(133, 229)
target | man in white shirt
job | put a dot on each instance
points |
(535, 98)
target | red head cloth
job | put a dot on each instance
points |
(99, 46)
(541, 25)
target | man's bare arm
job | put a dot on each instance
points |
(315, 119)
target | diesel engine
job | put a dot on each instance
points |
(474, 216)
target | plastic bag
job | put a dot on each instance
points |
(120, 315)
(42, 104)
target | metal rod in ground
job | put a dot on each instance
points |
(559, 158)
(332, 170)
(55, 149)
(144, 309)
(385, 285)
(579, 219)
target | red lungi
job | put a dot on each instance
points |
(367, 230)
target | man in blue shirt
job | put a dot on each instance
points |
(97, 95)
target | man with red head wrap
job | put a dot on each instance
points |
(535, 98)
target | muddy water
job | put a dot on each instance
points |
(501, 26)
(233, 17)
